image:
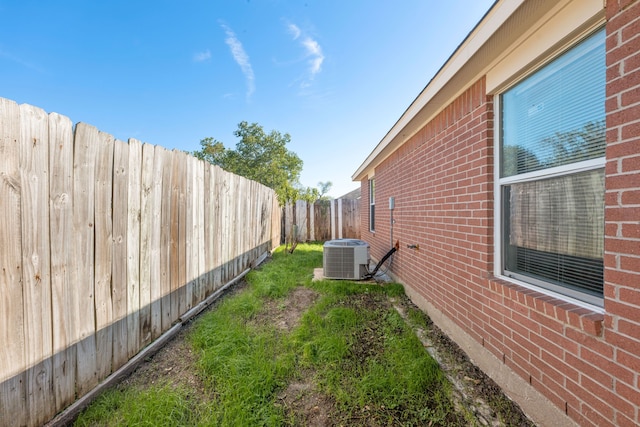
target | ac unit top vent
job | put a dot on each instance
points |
(345, 242)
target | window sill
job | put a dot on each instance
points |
(588, 320)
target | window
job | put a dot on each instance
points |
(372, 205)
(551, 174)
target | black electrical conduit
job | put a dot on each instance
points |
(371, 274)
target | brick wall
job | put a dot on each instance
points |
(622, 214)
(365, 234)
(442, 181)
(584, 362)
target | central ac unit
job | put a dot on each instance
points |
(345, 259)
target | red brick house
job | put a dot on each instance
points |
(512, 184)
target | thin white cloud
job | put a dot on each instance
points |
(294, 30)
(315, 52)
(10, 57)
(241, 58)
(202, 56)
(312, 51)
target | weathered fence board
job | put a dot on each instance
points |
(155, 244)
(182, 285)
(36, 285)
(232, 206)
(63, 298)
(103, 254)
(166, 242)
(82, 263)
(321, 221)
(12, 350)
(200, 231)
(146, 232)
(218, 222)
(105, 244)
(209, 236)
(188, 237)
(242, 209)
(287, 222)
(350, 218)
(276, 215)
(301, 220)
(174, 256)
(119, 262)
(225, 243)
(133, 248)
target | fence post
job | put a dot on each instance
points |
(340, 213)
(312, 223)
(333, 220)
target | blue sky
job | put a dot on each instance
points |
(334, 74)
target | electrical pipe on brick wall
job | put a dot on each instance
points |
(371, 274)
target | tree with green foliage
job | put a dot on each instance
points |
(324, 189)
(561, 148)
(262, 157)
(585, 143)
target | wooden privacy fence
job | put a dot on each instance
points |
(104, 245)
(321, 221)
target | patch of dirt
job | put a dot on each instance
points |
(285, 314)
(307, 406)
(175, 364)
(370, 339)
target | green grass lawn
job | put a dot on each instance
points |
(350, 348)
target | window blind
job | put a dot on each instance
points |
(557, 116)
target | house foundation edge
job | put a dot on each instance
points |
(533, 403)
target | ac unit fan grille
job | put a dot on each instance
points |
(339, 262)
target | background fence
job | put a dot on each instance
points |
(320, 221)
(104, 244)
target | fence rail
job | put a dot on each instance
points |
(104, 244)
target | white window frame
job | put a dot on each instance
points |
(590, 302)
(372, 205)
